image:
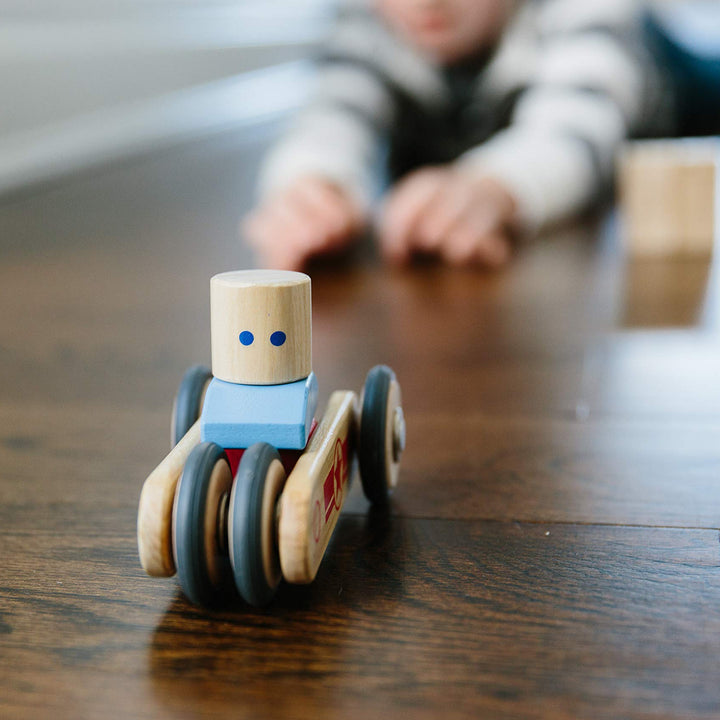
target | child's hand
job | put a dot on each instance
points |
(311, 217)
(444, 211)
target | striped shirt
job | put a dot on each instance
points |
(543, 111)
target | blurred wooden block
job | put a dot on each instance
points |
(668, 196)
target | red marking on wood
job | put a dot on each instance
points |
(335, 480)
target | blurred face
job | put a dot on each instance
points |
(447, 30)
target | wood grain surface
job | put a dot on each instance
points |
(552, 548)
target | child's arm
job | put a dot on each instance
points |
(593, 84)
(317, 182)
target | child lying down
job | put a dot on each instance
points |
(493, 117)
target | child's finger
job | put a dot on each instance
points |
(494, 250)
(280, 233)
(325, 218)
(269, 241)
(446, 211)
(403, 211)
(297, 220)
(331, 208)
(260, 230)
(465, 247)
(287, 257)
(309, 229)
(479, 236)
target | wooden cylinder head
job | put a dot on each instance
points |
(260, 326)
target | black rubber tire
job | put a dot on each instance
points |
(249, 525)
(189, 533)
(372, 450)
(187, 407)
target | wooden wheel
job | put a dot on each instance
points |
(188, 401)
(199, 524)
(382, 434)
(253, 531)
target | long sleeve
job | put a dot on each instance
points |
(591, 85)
(338, 134)
(341, 133)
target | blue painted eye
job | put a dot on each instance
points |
(246, 337)
(278, 338)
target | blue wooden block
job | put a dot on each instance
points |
(236, 416)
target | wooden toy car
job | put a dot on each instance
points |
(253, 486)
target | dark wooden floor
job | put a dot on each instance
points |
(552, 550)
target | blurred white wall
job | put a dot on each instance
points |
(83, 81)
